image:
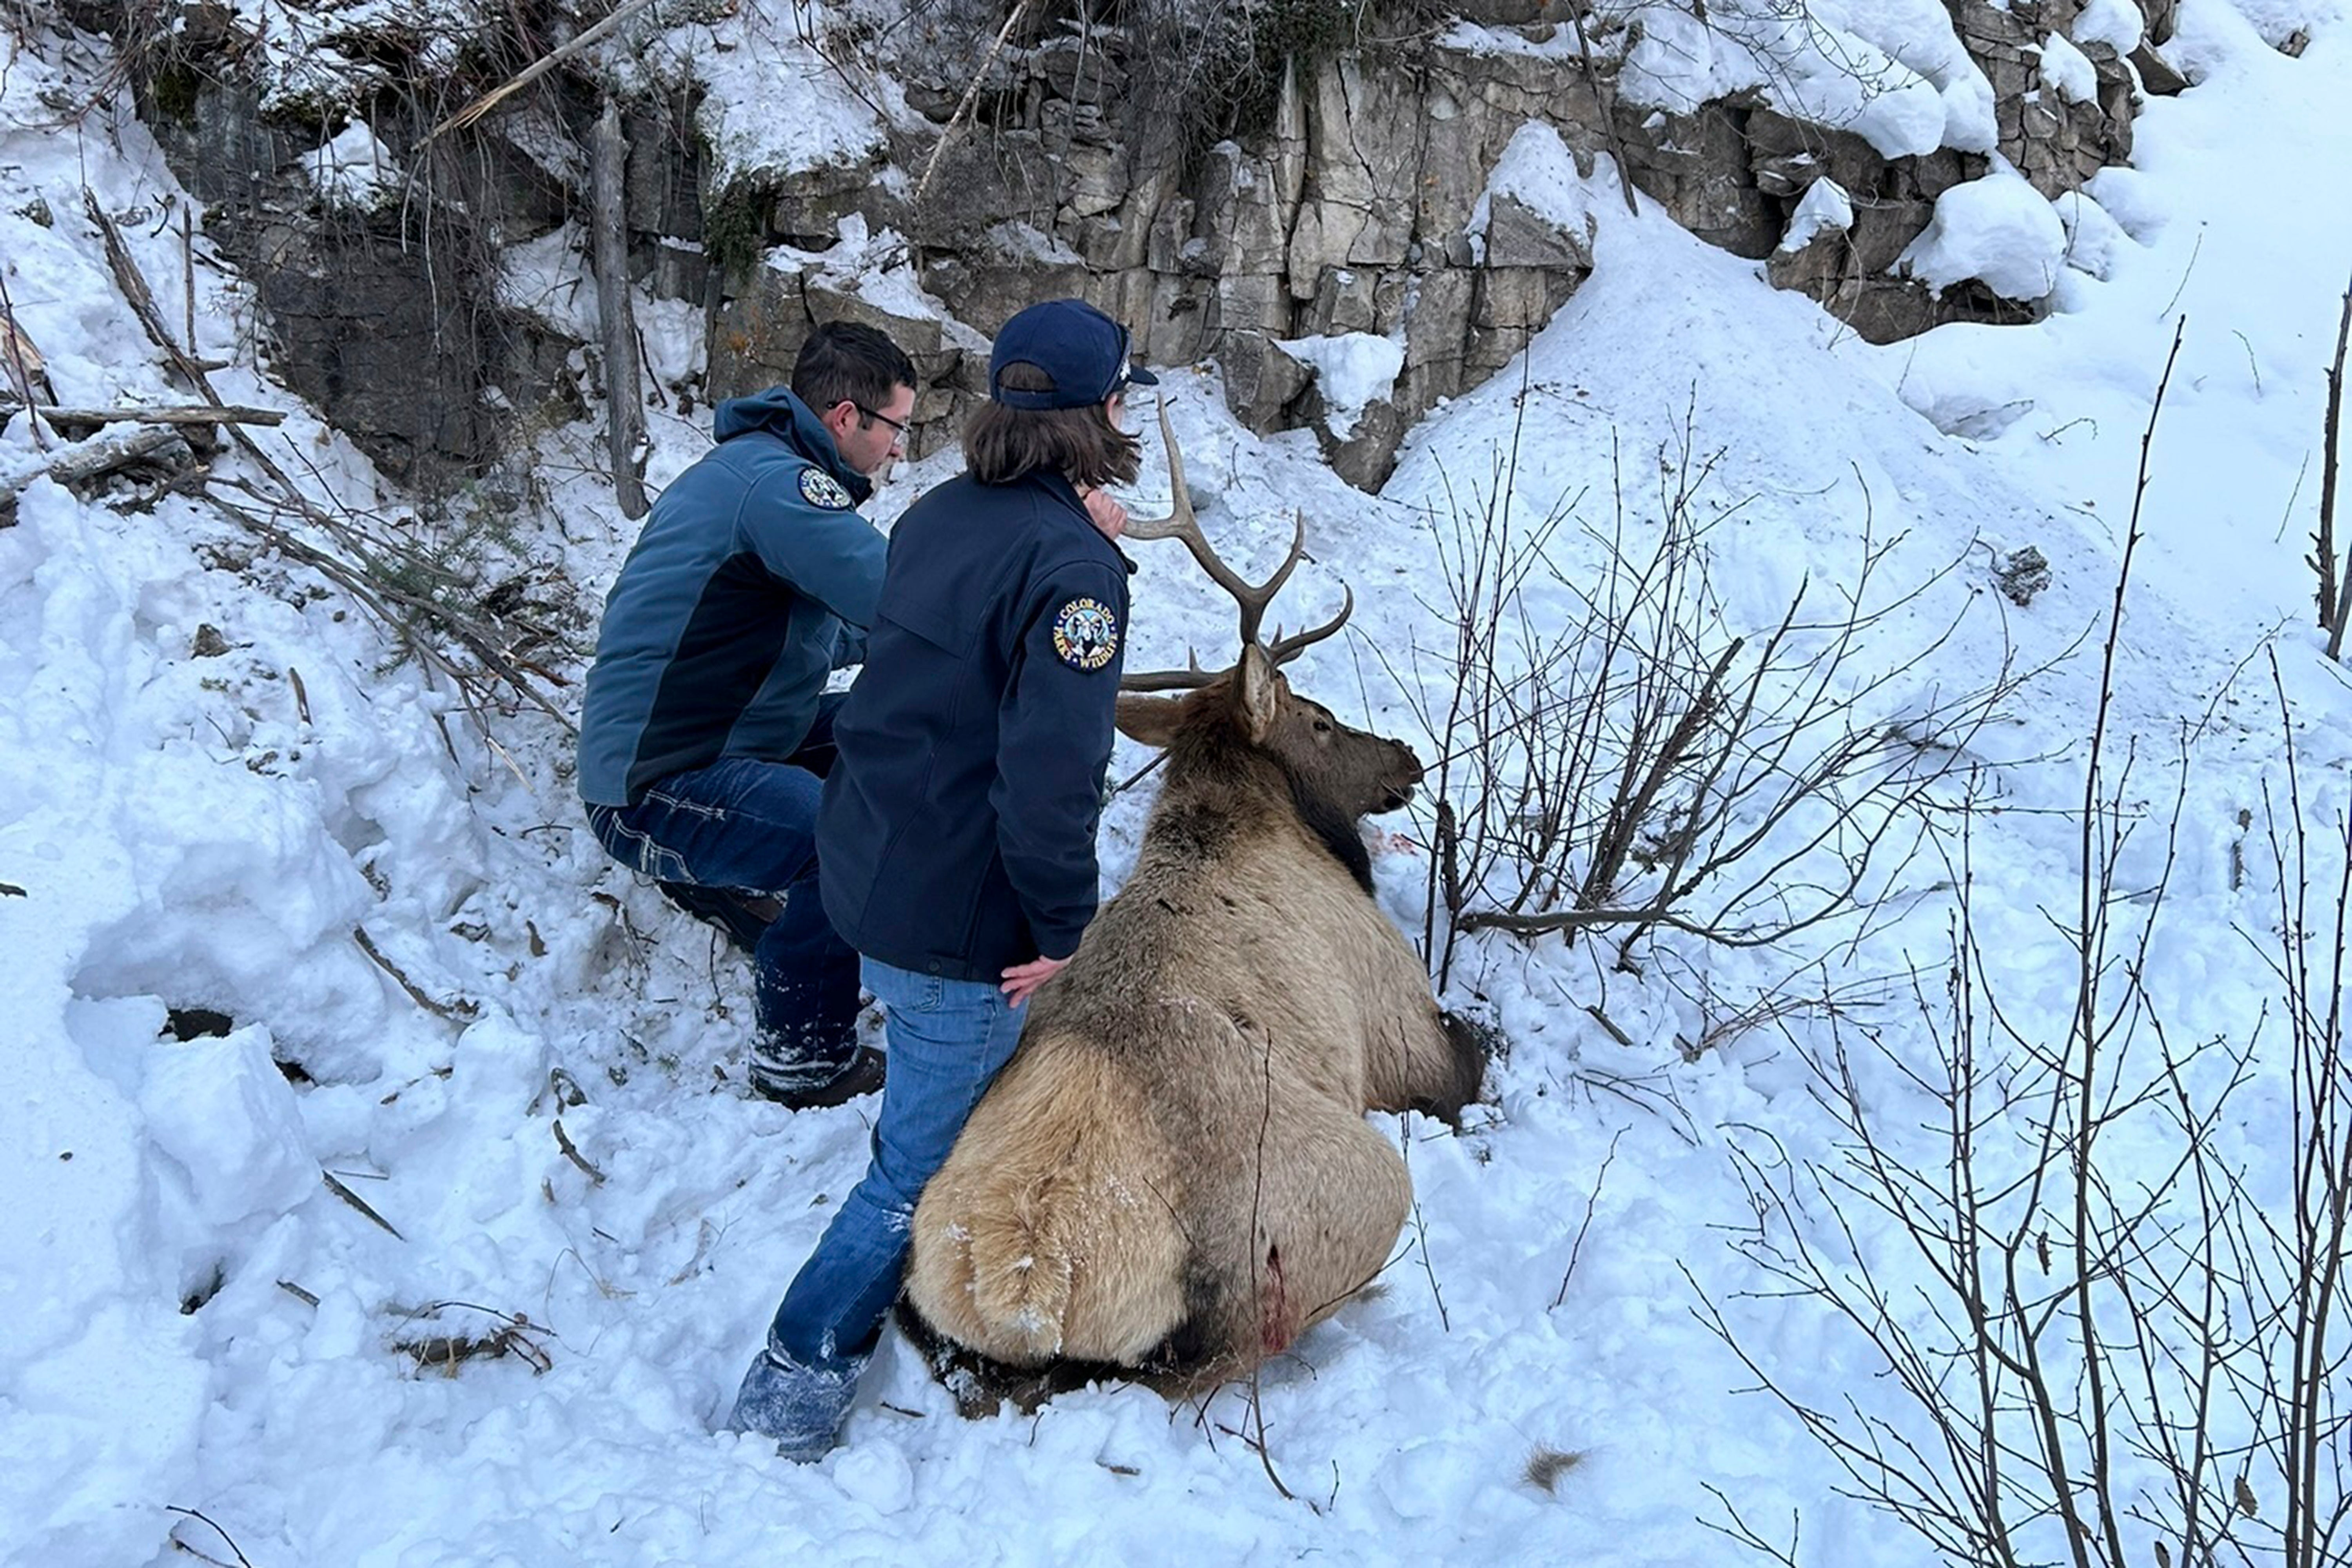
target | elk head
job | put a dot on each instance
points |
(1334, 769)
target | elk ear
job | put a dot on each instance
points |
(1149, 720)
(1253, 694)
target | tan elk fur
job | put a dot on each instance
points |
(1174, 1172)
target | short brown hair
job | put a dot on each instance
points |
(1002, 444)
(849, 362)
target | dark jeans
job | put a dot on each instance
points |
(736, 842)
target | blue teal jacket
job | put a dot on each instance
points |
(957, 829)
(753, 579)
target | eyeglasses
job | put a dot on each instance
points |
(898, 426)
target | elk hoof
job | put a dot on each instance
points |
(1473, 1044)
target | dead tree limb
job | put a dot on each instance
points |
(625, 412)
(971, 94)
(288, 497)
(537, 68)
(156, 448)
(20, 359)
(178, 414)
(1608, 117)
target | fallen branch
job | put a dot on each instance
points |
(514, 1337)
(21, 360)
(226, 1539)
(86, 462)
(93, 460)
(537, 68)
(375, 596)
(955, 120)
(193, 414)
(454, 1012)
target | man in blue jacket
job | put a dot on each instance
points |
(706, 732)
(958, 825)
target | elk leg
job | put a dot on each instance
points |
(1328, 1208)
(1434, 1063)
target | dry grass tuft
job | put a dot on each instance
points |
(1546, 1466)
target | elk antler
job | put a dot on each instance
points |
(1286, 648)
(1181, 523)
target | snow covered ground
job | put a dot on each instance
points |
(216, 776)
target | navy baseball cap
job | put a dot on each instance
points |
(1083, 350)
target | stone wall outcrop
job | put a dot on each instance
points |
(1440, 191)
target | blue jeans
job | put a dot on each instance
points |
(746, 829)
(947, 1038)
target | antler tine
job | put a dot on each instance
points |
(1191, 678)
(1286, 648)
(1181, 523)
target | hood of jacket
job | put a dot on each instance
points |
(780, 413)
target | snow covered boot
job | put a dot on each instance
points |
(802, 1407)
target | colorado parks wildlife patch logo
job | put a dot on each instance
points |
(821, 489)
(1085, 634)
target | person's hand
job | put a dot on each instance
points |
(1109, 518)
(1021, 981)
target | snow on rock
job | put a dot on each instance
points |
(2126, 195)
(2068, 70)
(2115, 23)
(353, 171)
(1897, 76)
(1538, 173)
(1351, 369)
(1999, 230)
(831, 125)
(1919, 34)
(1824, 208)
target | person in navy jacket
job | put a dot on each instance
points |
(705, 733)
(958, 823)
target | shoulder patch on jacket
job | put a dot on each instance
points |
(1085, 634)
(821, 489)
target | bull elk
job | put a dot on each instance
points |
(1173, 1176)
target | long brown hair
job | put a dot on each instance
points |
(1001, 444)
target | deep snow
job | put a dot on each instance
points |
(182, 828)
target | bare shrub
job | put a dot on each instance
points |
(1634, 765)
(2105, 1343)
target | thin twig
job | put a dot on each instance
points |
(573, 1154)
(1591, 1199)
(359, 1202)
(226, 1539)
(458, 1012)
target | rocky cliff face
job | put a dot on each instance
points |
(1430, 197)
